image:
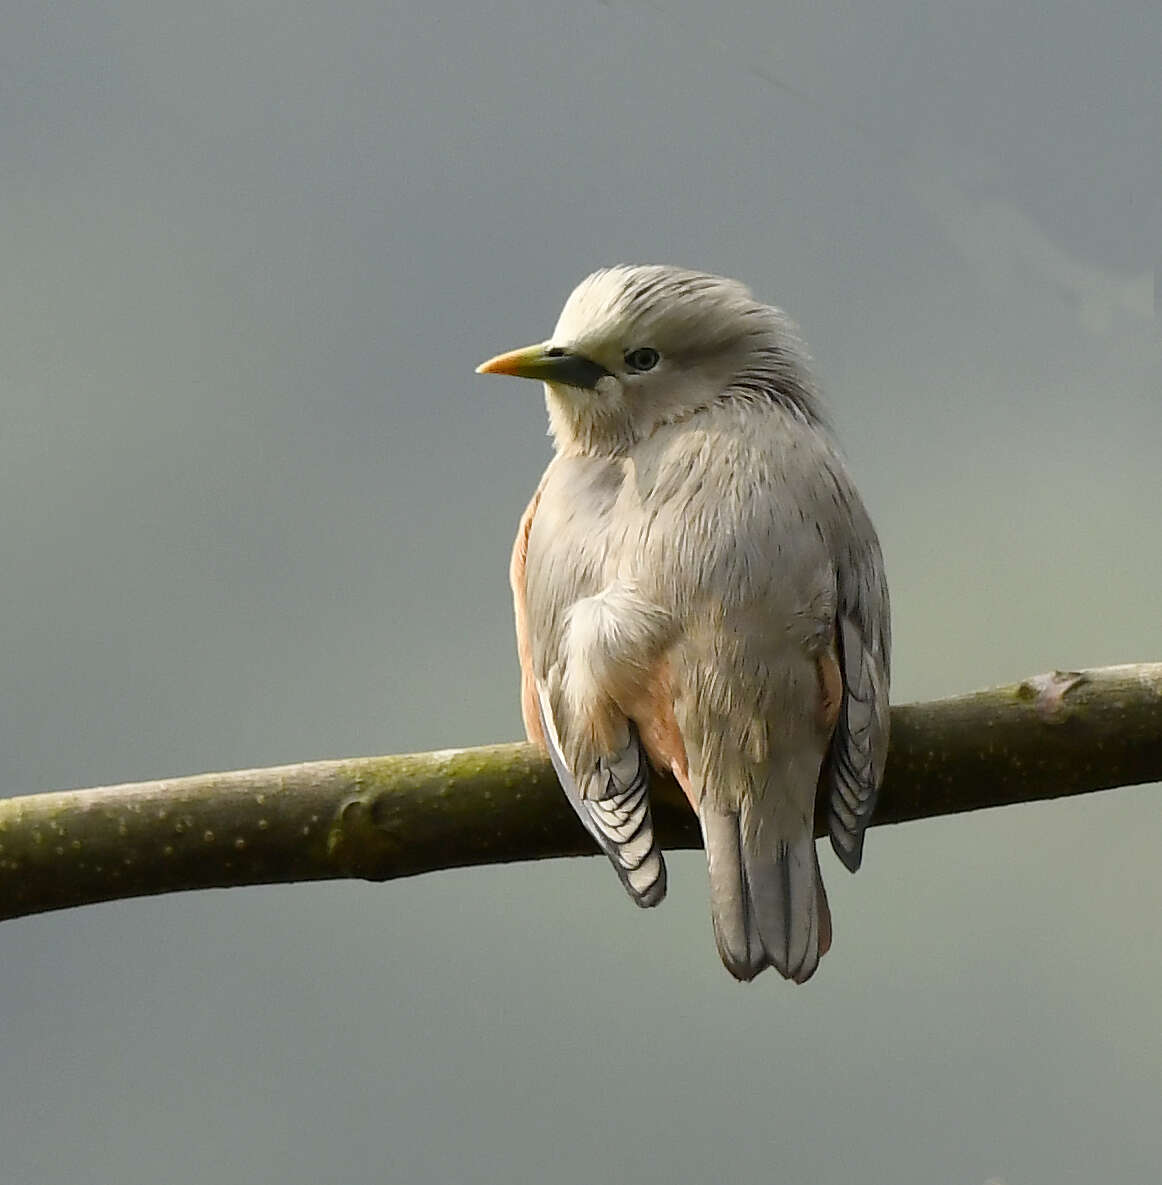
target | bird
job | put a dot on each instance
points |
(699, 591)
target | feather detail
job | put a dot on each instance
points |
(614, 805)
(855, 761)
(767, 901)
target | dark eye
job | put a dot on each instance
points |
(642, 358)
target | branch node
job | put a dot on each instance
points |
(1048, 692)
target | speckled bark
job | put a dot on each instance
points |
(383, 817)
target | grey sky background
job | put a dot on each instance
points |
(256, 508)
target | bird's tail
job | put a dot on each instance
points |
(766, 895)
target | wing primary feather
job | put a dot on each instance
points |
(856, 756)
(615, 811)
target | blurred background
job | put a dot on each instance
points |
(255, 508)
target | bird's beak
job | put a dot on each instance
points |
(549, 364)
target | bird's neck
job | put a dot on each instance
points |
(589, 428)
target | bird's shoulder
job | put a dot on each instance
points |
(749, 456)
(576, 495)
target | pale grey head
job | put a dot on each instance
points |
(639, 346)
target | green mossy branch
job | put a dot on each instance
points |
(378, 818)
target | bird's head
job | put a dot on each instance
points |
(636, 347)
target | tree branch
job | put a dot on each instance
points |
(383, 817)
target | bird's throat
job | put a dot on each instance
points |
(588, 423)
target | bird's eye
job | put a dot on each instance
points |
(642, 358)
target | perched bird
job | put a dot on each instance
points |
(699, 590)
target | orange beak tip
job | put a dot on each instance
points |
(522, 363)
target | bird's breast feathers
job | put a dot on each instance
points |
(722, 513)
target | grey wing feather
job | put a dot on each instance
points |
(615, 809)
(859, 746)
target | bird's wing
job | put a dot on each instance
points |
(614, 805)
(859, 746)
